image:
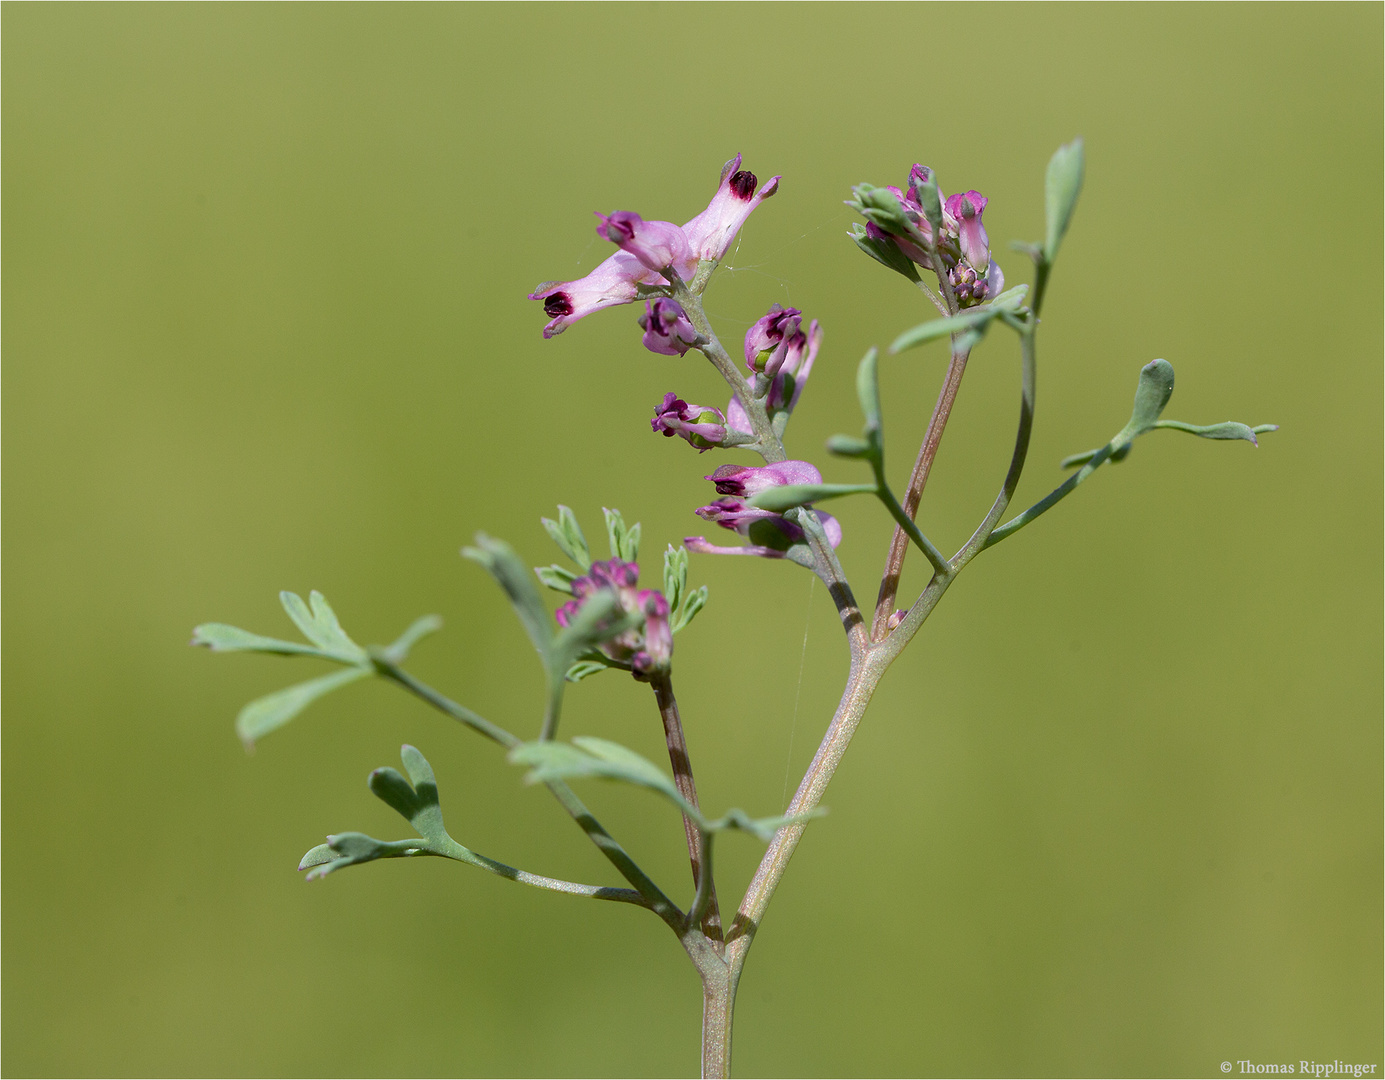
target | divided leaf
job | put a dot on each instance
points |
(567, 534)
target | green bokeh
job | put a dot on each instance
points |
(1117, 812)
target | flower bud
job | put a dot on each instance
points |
(771, 339)
(971, 234)
(701, 426)
(666, 328)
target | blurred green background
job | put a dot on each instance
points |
(1117, 812)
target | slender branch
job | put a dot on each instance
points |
(931, 553)
(703, 910)
(973, 546)
(934, 299)
(709, 918)
(923, 465)
(1059, 493)
(538, 881)
(657, 902)
(392, 671)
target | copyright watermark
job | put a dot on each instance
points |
(1320, 1069)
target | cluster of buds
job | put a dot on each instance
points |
(651, 251)
(770, 534)
(645, 649)
(959, 238)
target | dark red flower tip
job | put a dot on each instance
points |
(557, 305)
(743, 184)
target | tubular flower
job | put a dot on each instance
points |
(712, 231)
(962, 243)
(770, 534)
(666, 328)
(701, 426)
(645, 243)
(656, 244)
(643, 648)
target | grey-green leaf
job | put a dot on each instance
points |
(623, 540)
(513, 576)
(219, 637)
(419, 629)
(885, 252)
(868, 390)
(1151, 396)
(675, 576)
(567, 534)
(584, 669)
(1062, 185)
(849, 446)
(941, 328)
(348, 849)
(695, 602)
(556, 577)
(273, 711)
(1227, 430)
(779, 499)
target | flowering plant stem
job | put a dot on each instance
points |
(610, 623)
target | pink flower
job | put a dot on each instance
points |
(712, 231)
(657, 244)
(646, 244)
(771, 534)
(666, 328)
(702, 427)
(645, 648)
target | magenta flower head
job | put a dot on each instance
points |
(703, 427)
(770, 533)
(645, 648)
(656, 244)
(712, 231)
(666, 328)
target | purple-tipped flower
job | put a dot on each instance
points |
(771, 534)
(712, 231)
(656, 244)
(666, 328)
(771, 339)
(658, 635)
(618, 279)
(615, 281)
(703, 427)
(747, 481)
(645, 648)
(966, 209)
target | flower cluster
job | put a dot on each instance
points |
(646, 649)
(649, 250)
(777, 348)
(962, 243)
